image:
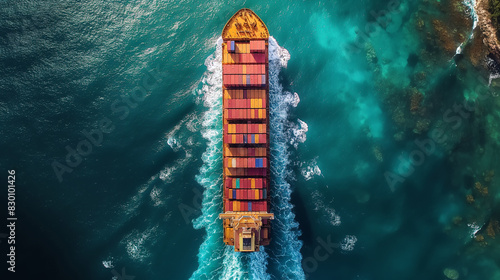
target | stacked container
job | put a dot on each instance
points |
(246, 126)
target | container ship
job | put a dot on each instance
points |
(246, 176)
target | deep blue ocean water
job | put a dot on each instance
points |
(385, 137)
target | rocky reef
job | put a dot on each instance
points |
(488, 28)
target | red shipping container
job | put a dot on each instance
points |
(264, 162)
(258, 183)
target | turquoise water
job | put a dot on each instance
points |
(384, 140)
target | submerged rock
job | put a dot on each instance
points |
(451, 273)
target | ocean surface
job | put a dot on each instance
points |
(385, 141)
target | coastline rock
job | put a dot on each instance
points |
(489, 31)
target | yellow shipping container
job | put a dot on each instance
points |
(252, 183)
(257, 194)
(257, 139)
